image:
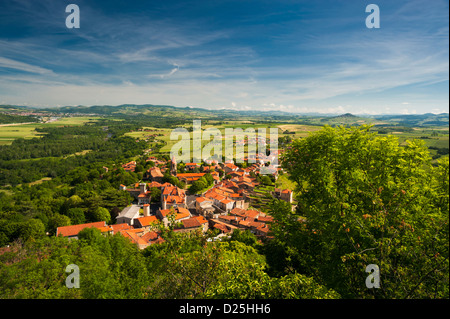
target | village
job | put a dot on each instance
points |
(224, 206)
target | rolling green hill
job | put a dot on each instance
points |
(169, 113)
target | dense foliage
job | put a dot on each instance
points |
(185, 266)
(57, 152)
(366, 200)
(362, 199)
(13, 118)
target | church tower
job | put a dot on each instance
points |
(173, 166)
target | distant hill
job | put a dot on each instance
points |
(427, 119)
(168, 113)
(346, 115)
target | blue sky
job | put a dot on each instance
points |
(292, 56)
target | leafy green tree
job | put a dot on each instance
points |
(101, 214)
(367, 200)
(76, 216)
(208, 178)
(74, 201)
(32, 229)
(266, 180)
(57, 220)
(246, 237)
(155, 194)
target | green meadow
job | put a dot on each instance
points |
(8, 133)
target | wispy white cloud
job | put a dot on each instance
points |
(21, 66)
(135, 58)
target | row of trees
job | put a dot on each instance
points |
(184, 266)
(106, 145)
(13, 118)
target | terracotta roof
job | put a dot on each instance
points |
(183, 210)
(200, 199)
(182, 215)
(115, 228)
(123, 226)
(154, 184)
(238, 211)
(221, 227)
(147, 220)
(265, 219)
(228, 218)
(201, 219)
(174, 199)
(252, 213)
(244, 223)
(150, 236)
(173, 190)
(159, 240)
(164, 212)
(263, 228)
(73, 230)
(191, 222)
(133, 237)
(104, 229)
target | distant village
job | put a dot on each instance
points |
(223, 207)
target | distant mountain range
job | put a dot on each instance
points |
(168, 111)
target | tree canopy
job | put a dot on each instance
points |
(365, 199)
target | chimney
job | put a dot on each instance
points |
(146, 210)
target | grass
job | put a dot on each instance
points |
(40, 181)
(298, 130)
(78, 120)
(9, 133)
(165, 138)
(78, 153)
(283, 182)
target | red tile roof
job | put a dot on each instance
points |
(147, 220)
(183, 210)
(150, 236)
(182, 215)
(201, 219)
(221, 227)
(251, 213)
(133, 237)
(238, 211)
(73, 230)
(115, 228)
(191, 223)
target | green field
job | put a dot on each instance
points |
(165, 138)
(9, 133)
(434, 137)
